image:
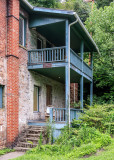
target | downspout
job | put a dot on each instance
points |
(69, 62)
(6, 25)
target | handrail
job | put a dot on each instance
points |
(43, 49)
(87, 65)
(47, 55)
(76, 54)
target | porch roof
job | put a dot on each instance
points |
(64, 14)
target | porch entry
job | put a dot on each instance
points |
(36, 99)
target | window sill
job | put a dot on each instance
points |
(35, 111)
(22, 47)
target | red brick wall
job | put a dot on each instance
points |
(3, 71)
(12, 70)
(73, 92)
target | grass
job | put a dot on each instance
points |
(106, 154)
(5, 150)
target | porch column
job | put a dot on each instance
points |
(91, 84)
(67, 72)
(82, 78)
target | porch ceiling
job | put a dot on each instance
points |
(58, 74)
(55, 33)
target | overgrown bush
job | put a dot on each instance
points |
(75, 142)
(99, 116)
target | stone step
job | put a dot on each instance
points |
(36, 127)
(32, 134)
(26, 145)
(32, 139)
(34, 130)
(22, 149)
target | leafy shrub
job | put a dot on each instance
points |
(99, 116)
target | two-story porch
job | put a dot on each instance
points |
(64, 61)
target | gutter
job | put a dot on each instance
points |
(28, 4)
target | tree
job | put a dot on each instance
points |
(81, 8)
(45, 3)
(101, 24)
(102, 3)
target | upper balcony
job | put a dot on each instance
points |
(56, 57)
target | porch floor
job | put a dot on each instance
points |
(44, 123)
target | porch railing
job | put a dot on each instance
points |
(56, 54)
(59, 114)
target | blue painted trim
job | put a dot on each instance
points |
(67, 71)
(91, 93)
(1, 97)
(50, 10)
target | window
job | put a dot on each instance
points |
(1, 96)
(22, 31)
(36, 99)
(48, 95)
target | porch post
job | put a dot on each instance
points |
(67, 72)
(82, 78)
(91, 93)
(91, 83)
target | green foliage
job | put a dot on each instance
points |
(44, 3)
(6, 150)
(81, 8)
(102, 3)
(99, 116)
(49, 131)
(107, 153)
(40, 141)
(75, 143)
(101, 24)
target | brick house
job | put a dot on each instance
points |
(41, 53)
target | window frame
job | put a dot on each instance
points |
(38, 89)
(23, 31)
